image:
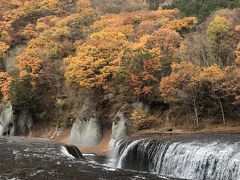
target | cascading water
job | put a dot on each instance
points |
(199, 156)
(41, 159)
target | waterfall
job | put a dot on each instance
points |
(200, 157)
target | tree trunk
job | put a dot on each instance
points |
(223, 115)
(196, 112)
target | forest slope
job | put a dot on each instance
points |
(157, 67)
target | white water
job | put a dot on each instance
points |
(65, 152)
(124, 153)
(208, 160)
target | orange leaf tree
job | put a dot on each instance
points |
(238, 48)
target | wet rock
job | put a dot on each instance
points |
(119, 126)
(74, 151)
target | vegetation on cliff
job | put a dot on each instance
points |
(162, 58)
(201, 9)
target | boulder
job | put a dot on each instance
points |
(74, 151)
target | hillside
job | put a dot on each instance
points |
(130, 62)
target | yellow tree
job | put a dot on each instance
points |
(182, 25)
(3, 48)
(181, 90)
(5, 83)
(217, 31)
(136, 24)
(118, 53)
(96, 61)
(210, 80)
(238, 54)
(238, 48)
(168, 41)
(140, 70)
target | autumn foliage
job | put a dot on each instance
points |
(138, 54)
(5, 83)
(124, 56)
(238, 48)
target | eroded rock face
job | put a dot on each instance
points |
(7, 121)
(119, 126)
(86, 132)
(24, 122)
(11, 123)
(10, 60)
(143, 107)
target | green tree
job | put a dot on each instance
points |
(154, 4)
(217, 32)
(201, 8)
(21, 94)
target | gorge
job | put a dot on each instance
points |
(119, 89)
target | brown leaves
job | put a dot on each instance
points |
(238, 48)
(96, 61)
(182, 25)
(119, 56)
(5, 82)
(3, 48)
(238, 54)
(168, 41)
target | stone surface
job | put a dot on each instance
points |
(10, 60)
(86, 132)
(7, 122)
(119, 126)
(24, 122)
(11, 123)
(74, 151)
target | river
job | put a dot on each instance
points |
(41, 159)
(208, 156)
